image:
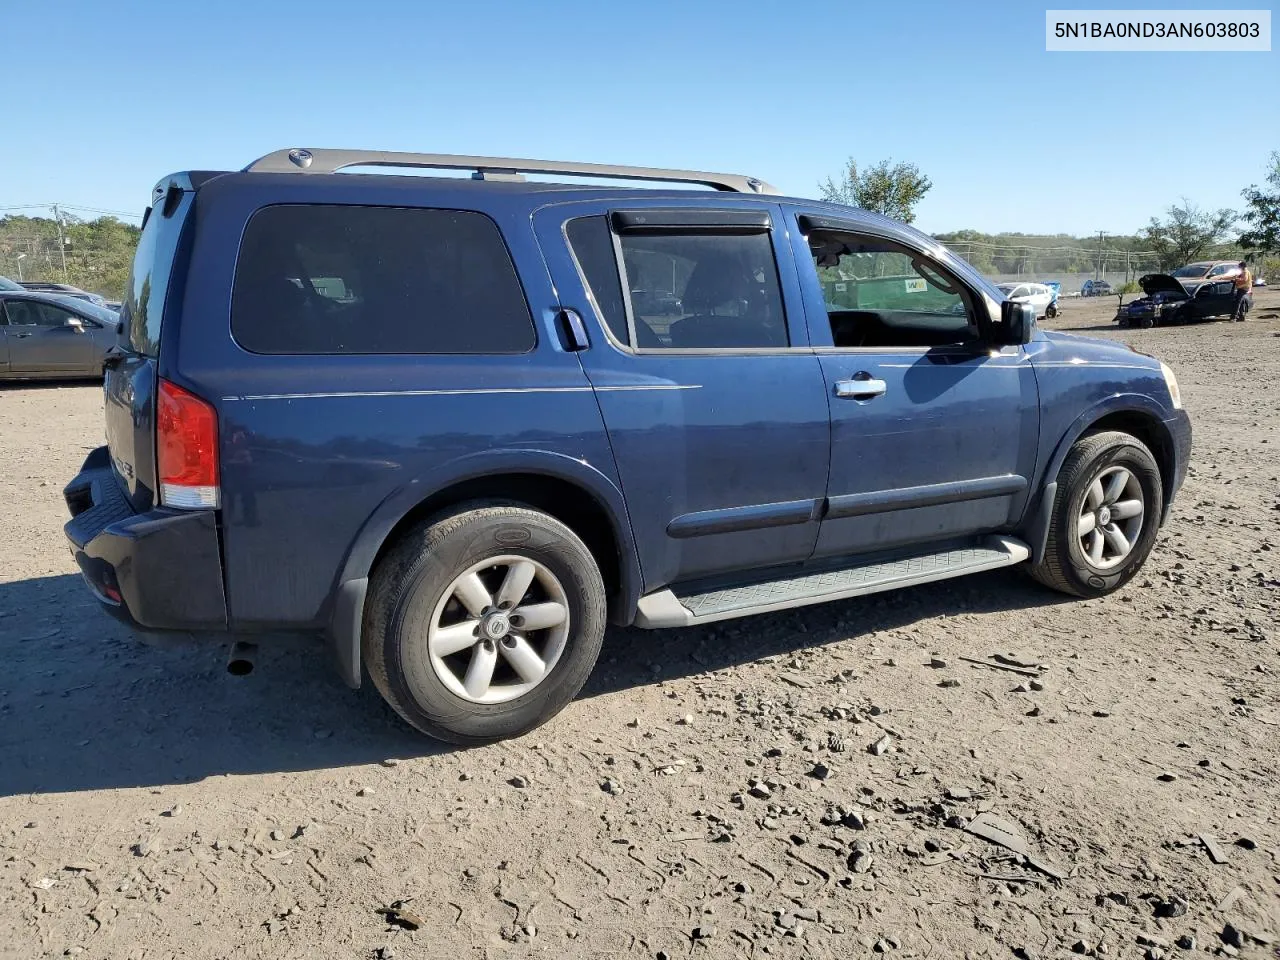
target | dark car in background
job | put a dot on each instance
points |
(43, 336)
(64, 290)
(1168, 303)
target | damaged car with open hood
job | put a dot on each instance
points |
(1167, 303)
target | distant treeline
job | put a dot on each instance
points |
(1020, 253)
(97, 253)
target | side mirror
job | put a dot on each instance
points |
(1017, 320)
(75, 323)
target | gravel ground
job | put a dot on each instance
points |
(801, 784)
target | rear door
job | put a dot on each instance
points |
(700, 361)
(130, 380)
(933, 433)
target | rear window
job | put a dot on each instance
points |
(142, 310)
(329, 279)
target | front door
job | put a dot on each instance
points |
(41, 341)
(714, 401)
(933, 432)
(1213, 300)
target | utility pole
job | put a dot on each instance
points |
(62, 242)
(1097, 273)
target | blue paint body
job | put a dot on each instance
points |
(704, 464)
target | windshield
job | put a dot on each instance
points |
(1005, 288)
(1193, 270)
(7, 284)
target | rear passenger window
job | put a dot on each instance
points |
(714, 291)
(685, 290)
(326, 279)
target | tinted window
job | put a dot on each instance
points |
(325, 279)
(592, 245)
(879, 294)
(31, 313)
(143, 307)
(52, 316)
(101, 314)
(704, 291)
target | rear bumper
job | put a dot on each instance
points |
(158, 571)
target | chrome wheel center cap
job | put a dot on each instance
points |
(496, 626)
(1104, 516)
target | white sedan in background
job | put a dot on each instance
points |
(1036, 294)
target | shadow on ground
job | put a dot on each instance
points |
(84, 705)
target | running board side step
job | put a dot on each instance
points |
(667, 609)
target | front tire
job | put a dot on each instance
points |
(1105, 516)
(484, 623)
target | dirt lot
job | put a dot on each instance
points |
(712, 793)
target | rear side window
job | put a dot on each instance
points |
(592, 244)
(328, 279)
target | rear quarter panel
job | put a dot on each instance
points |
(322, 454)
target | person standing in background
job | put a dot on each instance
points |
(1243, 283)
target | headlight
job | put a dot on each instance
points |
(1172, 383)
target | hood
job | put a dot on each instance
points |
(1072, 348)
(1154, 283)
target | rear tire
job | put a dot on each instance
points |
(1105, 516)
(448, 637)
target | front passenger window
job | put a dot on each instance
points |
(881, 294)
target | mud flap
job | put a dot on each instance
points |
(344, 629)
(1038, 531)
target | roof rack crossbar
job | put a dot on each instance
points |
(300, 160)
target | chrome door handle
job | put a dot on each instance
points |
(860, 389)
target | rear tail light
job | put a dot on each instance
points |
(186, 449)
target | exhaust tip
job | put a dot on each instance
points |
(241, 659)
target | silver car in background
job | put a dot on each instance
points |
(44, 336)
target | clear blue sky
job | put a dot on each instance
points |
(104, 98)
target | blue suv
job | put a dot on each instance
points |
(458, 426)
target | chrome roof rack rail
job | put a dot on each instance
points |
(300, 160)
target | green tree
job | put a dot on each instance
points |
(892, 189)
(1187, 232)
(1262, 213)
(97, 253)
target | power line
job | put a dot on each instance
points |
(73, 206)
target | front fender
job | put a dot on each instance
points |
(487, 463)
(1119, 403)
